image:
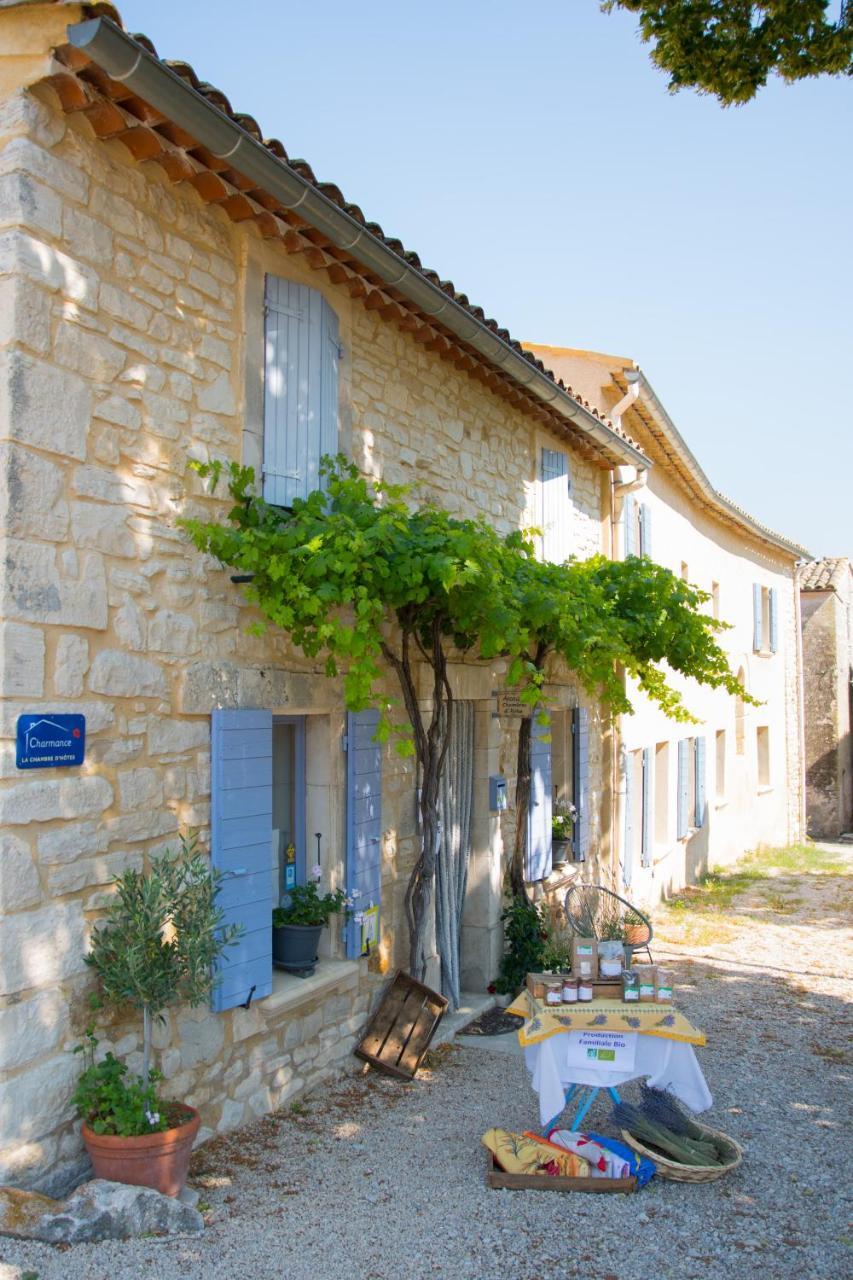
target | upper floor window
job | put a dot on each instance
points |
(302, 352)
(555, 505)
(765, 618)
(636, 527)
(715, 599)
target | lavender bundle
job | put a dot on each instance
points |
(678, 1146)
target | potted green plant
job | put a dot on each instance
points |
(298, 923)
(635, 929)
(563, 818)
(156, 946)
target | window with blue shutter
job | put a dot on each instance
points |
(757, 618)
(682, 819)
(629, 837)
(629, 524)
(364, 829)
(240, 847)
(300, 389)
(699, 790)
(580, 782)
(538, 861)
(646, 835)
(774, 620)
(645, 530)
(555, 486)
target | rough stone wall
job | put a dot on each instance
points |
(827, 668)
(125, 349)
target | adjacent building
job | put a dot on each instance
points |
(826, 588)
(173, 286)
(687, 797)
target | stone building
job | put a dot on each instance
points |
(826, 589)
(174, 287)
(162, 303)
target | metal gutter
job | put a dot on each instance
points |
(124, 60)
(674, 437)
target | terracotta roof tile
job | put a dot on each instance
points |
(824, 575)
(329, 189)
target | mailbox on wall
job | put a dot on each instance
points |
(498, 801)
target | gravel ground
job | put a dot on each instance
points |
(379, 1179)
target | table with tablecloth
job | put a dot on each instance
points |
(657, 1041)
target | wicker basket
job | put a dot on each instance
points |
(674, 1172)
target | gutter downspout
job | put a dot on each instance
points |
(126, 61)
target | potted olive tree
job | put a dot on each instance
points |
(156, 946)
(298, 923)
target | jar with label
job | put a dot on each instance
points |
(584, 989)
(611, 956)
(663, 985)
(570, 990)
(646, 978)
(553, 993)
(630, 986)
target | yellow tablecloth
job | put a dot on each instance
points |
(543, 1020)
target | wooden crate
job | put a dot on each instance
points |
(500, 1181)
(400, 1030)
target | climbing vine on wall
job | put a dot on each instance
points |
(357, 575)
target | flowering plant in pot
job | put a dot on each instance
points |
(298, 923)
(156, 946)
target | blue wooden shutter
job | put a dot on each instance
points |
(241, 847)
(555, 487)
(364, 821)
(681, 795)
(646, 846)
(300, 389)
(628, 839)
(580, 782)
(757, 621)
(699, 765)
(774, 620)
(646, 530)
(538, 863)
(629, 525)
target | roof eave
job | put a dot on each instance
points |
(125, 60)
(700, 479)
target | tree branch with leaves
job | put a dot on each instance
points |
(358, 577)
(729, 48)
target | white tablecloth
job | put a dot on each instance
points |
(668, 1064)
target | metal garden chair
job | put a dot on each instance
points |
(588, 907)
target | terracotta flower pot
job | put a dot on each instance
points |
(157, 1160)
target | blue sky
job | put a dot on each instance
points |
(543, 167)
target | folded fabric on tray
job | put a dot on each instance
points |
(641, 1167)
(602, 1163)
(520, 1153)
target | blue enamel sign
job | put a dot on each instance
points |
(50, 741)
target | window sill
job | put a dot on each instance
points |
(288, 991)
(720, 804)
(762, 791)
